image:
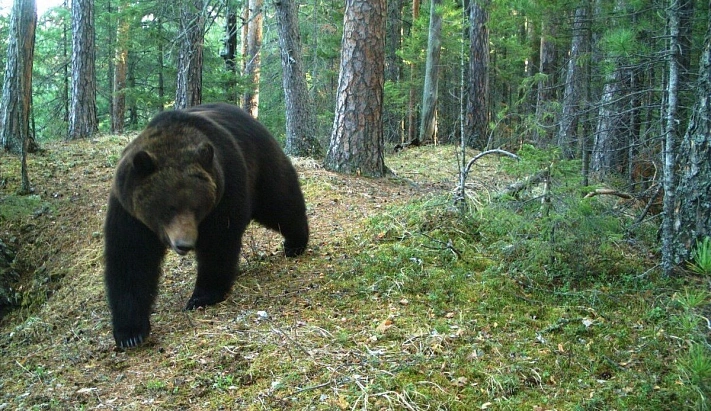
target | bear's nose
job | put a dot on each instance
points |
(183, 247)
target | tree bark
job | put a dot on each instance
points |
(300, 121)
(393, 70)
(17, 88)
(476, 116)
(572, 102)
(545, 95)
(83, 122)
(188, 92)
(692, 199)
(357, 139)
(120, 71)
(252, 59)
(16, 100)
(670, 137)
(428, 122)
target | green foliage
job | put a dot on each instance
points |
(695, 371)
(579, 241)
(701, 257)
(14, 207)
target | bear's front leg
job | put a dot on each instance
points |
(132, 258)
(217, 270)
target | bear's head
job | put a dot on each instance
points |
(170, 189)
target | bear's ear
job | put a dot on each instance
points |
(143, 163)
(205, 154)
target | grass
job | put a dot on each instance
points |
(401, 302)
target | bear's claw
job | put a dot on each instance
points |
(130, 339)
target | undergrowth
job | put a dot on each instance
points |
(403, 301)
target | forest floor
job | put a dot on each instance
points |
(320, 331)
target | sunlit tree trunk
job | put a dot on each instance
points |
(428, 122)
(476, 115)
(300, 121)
(188, 91)
(692, 197)
(83, 122)
(120, 71)
(357, 139)
(17, 89)
(253, 56)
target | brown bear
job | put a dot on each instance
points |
(193, 180)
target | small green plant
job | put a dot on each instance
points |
(701, 257)
(695, 369)
(155, 385)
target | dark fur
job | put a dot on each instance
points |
(169, 166)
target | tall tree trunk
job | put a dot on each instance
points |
(120, 70)
(300, 121)
(608, 150)
(17, 88)
(357, 138)
(83, 122)
(229, 53)
(545, 95)
(253, 59)
(188, 92)
(65, 67)
(161, 65)
(16, 100)
(393, 67)
(692, 198)
(572, 103)
(428, 122)
(476, 116)
(411, 109)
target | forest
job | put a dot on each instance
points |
(510, 204)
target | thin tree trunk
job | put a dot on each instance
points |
(670, 139)
(411, 110)
(192, 31)
(357, 139)
(393, 69)
(476, 118)
(161, 66)
(120, 72)
(300, 121)
(428, 122)
(253, 59)
(573, 83)
(546, 92)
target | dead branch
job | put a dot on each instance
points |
(464, 173)
(609, 191)
(515, 188)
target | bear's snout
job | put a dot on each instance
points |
(182, 233)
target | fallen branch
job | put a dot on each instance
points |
(515, 188)
(609, 191)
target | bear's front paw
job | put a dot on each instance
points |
(130, 338)
(202, 298)
(292, 249)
